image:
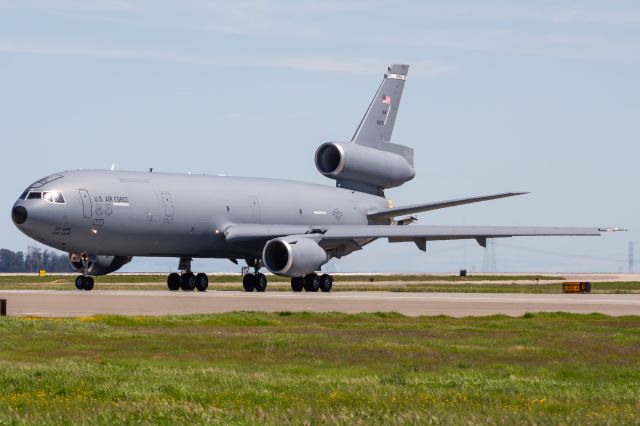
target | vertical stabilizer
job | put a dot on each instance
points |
(376, 126)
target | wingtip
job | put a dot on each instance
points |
(612, 229)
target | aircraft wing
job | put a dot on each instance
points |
(449, 232)
(328, 235)
(416, 208)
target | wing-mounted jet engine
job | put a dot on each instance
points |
(293, 256)
(370, 163)
(298, 257)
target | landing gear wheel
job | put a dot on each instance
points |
(248, 282)
(297, 284)
(188, 281)
(174, 281)
(326, 282)
(84, 282)
(88, 283)
(260, 281)
(202, 282)
(311, 282)
(80, 282)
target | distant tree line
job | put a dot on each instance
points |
(33, 260)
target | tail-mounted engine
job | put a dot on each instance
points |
(99, 265)
(364, 168)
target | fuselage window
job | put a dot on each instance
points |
(53, 197)
(33, 195)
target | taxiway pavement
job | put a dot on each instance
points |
(53, 303)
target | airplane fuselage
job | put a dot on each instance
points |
(122, 213)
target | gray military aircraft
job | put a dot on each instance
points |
(103, 218)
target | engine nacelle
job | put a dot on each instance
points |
(292, 256)
(99, 265)
(359, 163)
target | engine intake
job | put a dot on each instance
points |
(99, 265)
(293, 257)
(358, 163)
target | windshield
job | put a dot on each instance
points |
(53, 197)
(50, 196)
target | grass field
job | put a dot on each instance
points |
(416, 283)
(247, 368)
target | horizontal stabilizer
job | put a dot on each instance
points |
(416, 208)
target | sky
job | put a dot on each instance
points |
(501, 96)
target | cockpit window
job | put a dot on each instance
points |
(24, 195)
(53, 197)
(34, 195)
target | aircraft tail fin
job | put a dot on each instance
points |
(370, 163)
(376, 126)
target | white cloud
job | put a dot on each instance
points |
(304, 63)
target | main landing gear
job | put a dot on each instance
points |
(312, 283)
(256, 281)
(84, 281)
(187, 281)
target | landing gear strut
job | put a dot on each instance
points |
(84, 281)
(256, 281)
(312, 283)
(187, 281)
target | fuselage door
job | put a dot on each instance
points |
(86, 203)
(167, 203)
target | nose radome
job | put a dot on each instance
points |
(19, 215)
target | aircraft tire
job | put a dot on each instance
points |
(80, 282)
(188, 281)
(297, 284)
(202, 282)
(260, 282)
(174, 281)
(311, 282)
(88, 283)
(326, 283)
(248, 282)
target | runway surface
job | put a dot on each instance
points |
(52, 303)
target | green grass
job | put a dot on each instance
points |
(296, 368)
(396, 283)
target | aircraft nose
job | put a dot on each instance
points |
(19, 215)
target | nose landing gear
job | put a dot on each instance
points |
(84, 281)
(187, 281)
